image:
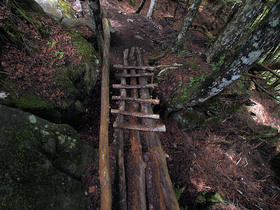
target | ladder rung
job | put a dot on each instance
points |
(135, 75)
(135, 114)
(148, 68)
(119, 86)
(139, 127)
(139, 100)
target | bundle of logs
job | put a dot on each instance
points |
(143, 179)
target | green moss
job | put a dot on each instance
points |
(209, 199)
(29, 101)
(131, 2)
(67, 10)
(84, 49)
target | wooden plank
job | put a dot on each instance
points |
(135, 75)
(135, 114)
(139, 100)
(139, 127)
(147, 68)
(137, 187)
(118, 86)
(162, 185)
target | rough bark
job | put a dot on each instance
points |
(119, 141)
(151, 9)
(265, 36)
(96, 17)
(240, 24)
(138, 191)
(104, 163)
(157, 172)
(186, 25)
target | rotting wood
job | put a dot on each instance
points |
(104, 163)
(118, 86)
(137, 100)
(147, 68)
(135, 114)
(140, 127)
(135, 75)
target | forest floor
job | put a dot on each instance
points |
(216, 158)
(221, 157)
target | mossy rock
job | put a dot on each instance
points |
(41, 163)
(58, 9)
(212, 111)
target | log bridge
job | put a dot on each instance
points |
(142, 173)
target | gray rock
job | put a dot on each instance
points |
(139, 37)
(57, 9)
(129, 20)
(41, 163)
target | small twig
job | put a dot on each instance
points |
(241, 193)
(264, 90)
(246, 163)
(239, 161)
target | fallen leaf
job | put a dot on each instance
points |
(91, 189)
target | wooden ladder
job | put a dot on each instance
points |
(141, 74)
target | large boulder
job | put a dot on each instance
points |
(57, 8)
(41, 163)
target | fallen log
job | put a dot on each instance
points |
(119, 141)
(163, 185)
(138, 191)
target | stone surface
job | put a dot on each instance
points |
(57, 8)
(41, 163)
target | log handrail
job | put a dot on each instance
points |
(104, 157)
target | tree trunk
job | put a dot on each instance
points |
(262, 39)
(240, 24)
(186, 24)
(151, 9)
(141, 6)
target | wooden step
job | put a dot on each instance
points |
(135, 114)
(135, 75)
(147, 68)
(119, 86)
(139, 100)
(139, 127)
